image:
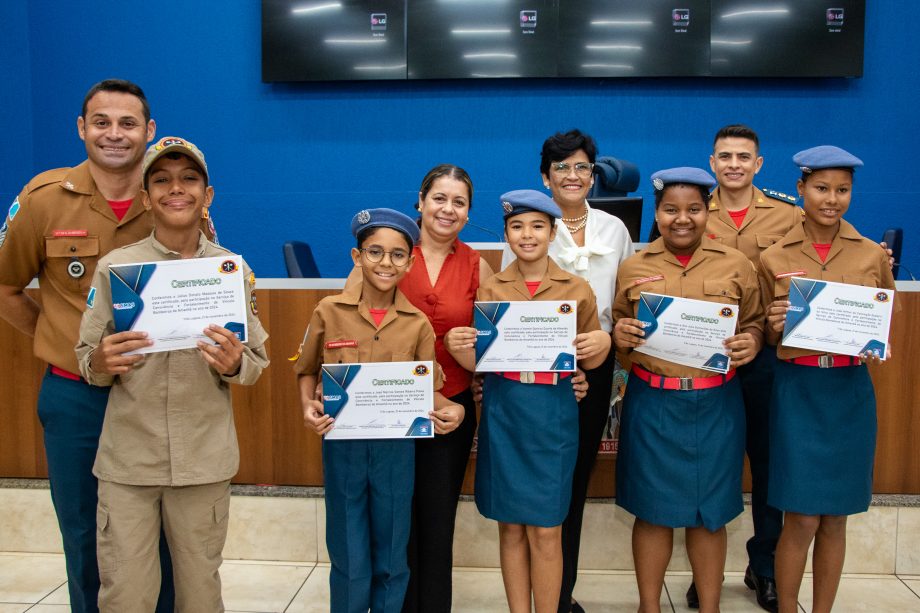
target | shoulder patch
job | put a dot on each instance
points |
(3, 230)
(14, 208)
(91, 298)
(772, 193)
(47, 178)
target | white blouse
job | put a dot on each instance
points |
(607, 243)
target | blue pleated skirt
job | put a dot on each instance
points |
(822, 439)
(681, 455)
(528, 443)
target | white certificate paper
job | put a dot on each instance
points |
(685, 331)
(529, 336)
(379, 399)
(838, 317)
(175, 300)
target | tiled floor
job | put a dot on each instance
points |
(36, 583)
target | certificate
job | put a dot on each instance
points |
(529, 336)
(379, 399)
(838, 317)
(173, 301)
(685, 331)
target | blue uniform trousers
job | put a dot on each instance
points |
(756, 386)
(71, 413)
(368, 513)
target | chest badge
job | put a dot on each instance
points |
(76, 269)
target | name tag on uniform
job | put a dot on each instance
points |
(794, 273)
(648, 280)
(340, 344)
(64, 233)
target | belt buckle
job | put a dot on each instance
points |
(685, 384)
(527, 377)
(825, 361)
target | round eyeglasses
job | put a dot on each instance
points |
(398, 257)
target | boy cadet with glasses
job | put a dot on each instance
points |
(369, 483)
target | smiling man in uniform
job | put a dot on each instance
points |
(61, 223)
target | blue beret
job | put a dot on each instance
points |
(684, 174)
(825, 156)
(527, 201)
(384, 218)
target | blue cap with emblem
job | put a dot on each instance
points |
(527, 201)
(825, 156)
(384, 218)
(685, 174)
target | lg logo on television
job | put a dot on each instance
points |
(378, 22)
(835, 17)
(680, 17)
(529, 19)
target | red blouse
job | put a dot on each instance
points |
(448, 304)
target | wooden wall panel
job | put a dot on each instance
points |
(277, 449)
(897, 390)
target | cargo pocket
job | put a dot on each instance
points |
(220, 516)
(105, 548)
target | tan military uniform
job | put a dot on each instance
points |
(342, 330)
(168, 422)
(852, 259)
(556, 284)
(61, 218)
(715, 273)
(768, 219)
(167, 451)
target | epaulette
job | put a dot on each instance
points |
(48, 177)
(772, 193)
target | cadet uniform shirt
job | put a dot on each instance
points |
(607, 243)
(342, 330)
(556, 284)
(59, 219)
(768, 219)
(168, 422)
(715, 273)
(852, 259)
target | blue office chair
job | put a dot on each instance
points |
(614, 177)
(894, 238)
(299, 260)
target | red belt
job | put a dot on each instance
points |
(66, 374)
(828, 360)
(682, 383)
(540, 378)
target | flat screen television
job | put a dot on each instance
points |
(625, 38)
(481, 39)
(627, 209)
(791, 38)
(333, 40)
(355, 40)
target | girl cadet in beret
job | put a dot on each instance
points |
(528, 436)
(822, 412)
(682, 433)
